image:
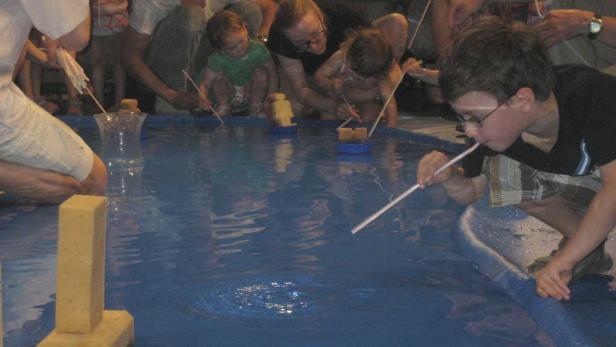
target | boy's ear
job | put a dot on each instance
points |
(524, 99)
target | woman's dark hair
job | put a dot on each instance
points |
(498, 57)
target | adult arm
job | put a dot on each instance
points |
(325, 76)
(268, 8)
(272, 77)
(595, 226)
(133, 50)
(461, 10)
(294, 72)
(560, 25)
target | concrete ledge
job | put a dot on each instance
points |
(551, 316)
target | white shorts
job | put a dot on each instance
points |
(30, 136)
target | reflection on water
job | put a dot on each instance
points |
(235, 237)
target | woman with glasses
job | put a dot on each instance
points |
(305, 33)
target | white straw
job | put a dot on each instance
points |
(350, 117)
(203, 96)
(385, 105)
(410, 190)
(376, 122)
(76, 75)
(95, 100)
(345, 123)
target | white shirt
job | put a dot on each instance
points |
(52, 17)
(145, 14)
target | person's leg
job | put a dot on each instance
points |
(41, 157)
(223, 92)
(395, 28)
(97, 61)
(256, 91)
(112, 46)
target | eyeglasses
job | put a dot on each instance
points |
(304, 45)
(476, 122)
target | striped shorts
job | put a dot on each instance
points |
(512, 182)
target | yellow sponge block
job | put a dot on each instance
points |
(80, 277)
(131, 105)
(350, 134)
(116, 329)
(281, 110)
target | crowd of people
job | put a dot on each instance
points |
(545, 127)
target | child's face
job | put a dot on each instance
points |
(493, 124)
(236, 43)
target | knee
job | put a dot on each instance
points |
(96, 182)
(260, 76)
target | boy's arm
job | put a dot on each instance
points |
(463, 190)
(272, 77)
(596, 224)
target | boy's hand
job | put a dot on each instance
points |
(553, 278)
(428, 166)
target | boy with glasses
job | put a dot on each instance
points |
(547, 136)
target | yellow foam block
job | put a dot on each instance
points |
(279, 96)
(281, 110)
(350, 134)
(80, 278)
(360, 134)
(116, 329)
(345, 134)
(129, 103)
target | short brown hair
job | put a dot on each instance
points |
(368, 53)
(498, 57)
(220, 25)
(290, 12)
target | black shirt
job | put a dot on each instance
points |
(587, 126)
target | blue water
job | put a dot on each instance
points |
(229, 236)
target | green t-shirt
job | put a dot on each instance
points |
(240, 70)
